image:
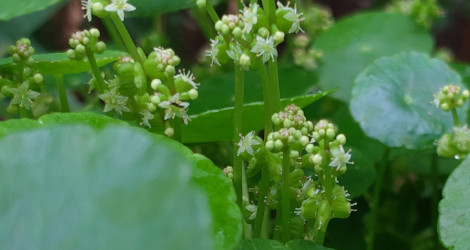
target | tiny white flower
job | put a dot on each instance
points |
(252, 208)
(246, 143)
(213, 52)
(249, 17)
(292, 16)
(341, 158)
(187, 77)
(265, 48)
(87, 5)
(235, 51)
(147, 116)
(175, 108)
(114, 101)
(119, 6)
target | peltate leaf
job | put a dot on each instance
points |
(356, 41)
(392, 100)
(454, 209)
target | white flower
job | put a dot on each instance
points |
(187, 77)
(113, 100)
(246, 143)
(87, 5)
(235, 51)
(252, 208)
(249, 17)
(175, 108)
(265, 48)
(213, 52)
(147, 117)
(341, 158)
(292, 16)
(119, 6)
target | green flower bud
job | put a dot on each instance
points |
(309, 148)
(38, 78)
(154, 84)
(237, 32)
(225, 29)
(445, 147)
(95, 32)
(155, 99)
(245, 60)
(278, 145)
(330, 133)
(445, 107)
(100, 47)
(341, 139)
(304, 140)
(169, 132)
(170, 70)
(263, 32)
(218, 26)
(193, 94)
(201, 4)
(294, 154)
(80, 50)
(270, 145)
(316, 159)
(340, 208)
(279, 37)
(309, 208)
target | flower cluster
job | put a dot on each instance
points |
(317, 196)
(83, 42)
(449, 97)
(25, 83)
(244, 37)
(424, 12)
(102, 8)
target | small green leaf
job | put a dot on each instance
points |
(217, 125)
(226, 216)
(454, 209)
(11, 9)
(356, 41)
(118, 188)
(60, 64)
(392, 100)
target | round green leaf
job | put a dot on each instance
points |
(11, 9)
(87, 118)
(356, 41)
(75, 187)
(14, 125)
(392, 100)
(226, 215)
(454, 209)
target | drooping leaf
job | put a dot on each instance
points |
(356, 41)
(454, 209)
(60, 64)
(217, 125)
(11, 9)
(218, 92)
(226, 215)
(392, 100)
(118, 188)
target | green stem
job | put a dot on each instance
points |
(435, 193)
(99, 81)
(112, 31)
(64, 103)
(245, 201)
(126, 38)
(285, 193)
(267, 97)
(212, 13)
(374, 205)
(274, 85)
(237, 130)
(269, 7)
(21, 71)
(204, 23)
(455, 117)
(263, 190)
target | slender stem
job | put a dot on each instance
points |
(99, 81)
(374, 205)
(64, 103)
(274, 85)
(245, 201)
(113, 32)
(270, 10)
(267, 97)
(204, 23)
(126, 38)
(435, 193)
(212, 13)
(263, 190)
(285, 193)
(21, 71)
(455, 117)
(237, 130)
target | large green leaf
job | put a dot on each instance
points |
(11, 9)
(60, 64)
(226, 216)
(92, 119)
(267, 244)
(156, 7)
(15, 125)
(74, 187)
(354, 42)
(392, 100)
(454, 209)
(217, 125)
(218, 92)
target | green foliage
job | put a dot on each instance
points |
(266, 244)
(454, 209)
(12, 9)
(354, 42)
(392, 100)
(60, 64)
(217, 125)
